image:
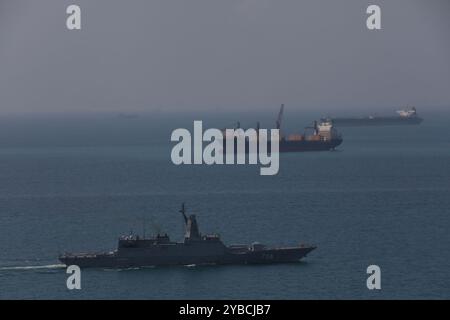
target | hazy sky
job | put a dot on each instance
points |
(171, 55)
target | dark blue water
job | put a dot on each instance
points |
(75, 185)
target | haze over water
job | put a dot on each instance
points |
(77, 183)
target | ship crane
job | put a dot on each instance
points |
(313, 127)
(183, 212)
(280, 116)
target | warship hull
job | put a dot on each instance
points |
(136, 260)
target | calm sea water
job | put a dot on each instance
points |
(75, 185)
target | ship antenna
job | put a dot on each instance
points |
(183, 212)
(143, 226)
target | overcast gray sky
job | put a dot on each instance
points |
(208, 54)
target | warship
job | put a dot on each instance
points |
(196, 249)
(406, 116)
(321, 136)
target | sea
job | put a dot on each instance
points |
(76, 182)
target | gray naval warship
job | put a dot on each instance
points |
(196, 249)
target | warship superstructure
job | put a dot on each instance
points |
(196, 249)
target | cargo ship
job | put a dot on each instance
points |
(405, 117)
(196, 249)
(321, 136)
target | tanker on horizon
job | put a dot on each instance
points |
(405, 117)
